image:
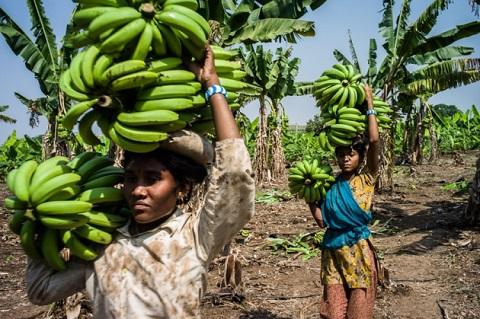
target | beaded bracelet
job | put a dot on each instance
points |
(215, 89)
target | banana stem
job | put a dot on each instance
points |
(148, 10)
(105, 101)
(307, 182)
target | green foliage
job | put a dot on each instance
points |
(5, 118)
(314, 125)
(444, 110)
(299, 146)
(461, 186)
(16, 151)
(272, 196)
(248, 130)
(303, 244)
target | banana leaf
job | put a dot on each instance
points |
(372, 60)
(448, 37)
(386, 26)
(4, 118)
(435, 85)
(353, 52)
(442, 54)
(268, 30)
(304, 88)
(341, 57)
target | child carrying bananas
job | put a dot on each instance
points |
(349, 266)
(156, 266)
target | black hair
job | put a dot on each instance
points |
(359, 144)
(185, 171)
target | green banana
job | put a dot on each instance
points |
(83, 17)
(143, 43)
(85, 127)
(46, 173)
(50, 249)
(342, 68)
(93, 234)
(159, 44)
(75, 112)
(234, 75)
(196, 85)
(11, 180)
(90, 167)
(63, 222)
(223, 66)
(134, 80)
(122, 68)
(107, 171)
(65, 193)
(338, 141)
(222, 54)
(190, 4)
(81, 159)
(100, 66)
(349, 110)
(112, 19)
(199, 100)
(87, 65)
(101, 195)
(174, 44)
(139, 134)
(232, 85)
(165, 64)
(192, 14)
(129, 145)
(118, 40)
(172, 126)
(147, 118)
(64, 207)
(28, 240)
(12, 202)
(344, 128)
(16, 221)
(352, 97)
(175, 77)
(77, 248)
(175, 104)
(109, 180)
(52, 186)
(104, 219)
(186, 25)
(23, 178)
(76, 72)
(335, 74)
(65, 86)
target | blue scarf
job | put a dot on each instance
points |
(346, 221)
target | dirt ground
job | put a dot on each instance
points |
(433, 260)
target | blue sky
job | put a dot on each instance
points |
(332, 21)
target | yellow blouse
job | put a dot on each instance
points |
(352, 266)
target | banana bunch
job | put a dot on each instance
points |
(341, 127)
(338, 87)
(310, 180)
(65, 203)
(171, 102)
(384, 113)
(138, 27)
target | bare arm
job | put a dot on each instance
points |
(225, 125)
(317, 214)
(373, 138)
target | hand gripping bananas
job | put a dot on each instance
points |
(310, 180)
(61, 195)
(341, 98)
(130, 64)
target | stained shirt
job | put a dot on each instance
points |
(160, 273)
(351, 265)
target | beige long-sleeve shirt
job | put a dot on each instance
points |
(160, 273)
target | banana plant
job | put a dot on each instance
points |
(275, 76)
(4, 118)
(45, 61)
(250, 21)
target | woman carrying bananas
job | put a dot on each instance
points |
(349, 266)
(156, 267)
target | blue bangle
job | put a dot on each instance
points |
(371, 112)
(215, 89)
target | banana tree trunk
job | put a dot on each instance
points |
(471, 214)
(278, 157)
(433, 137)
(262, 173)
(385, 178)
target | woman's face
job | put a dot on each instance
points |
(150, 189)
(348, 159)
